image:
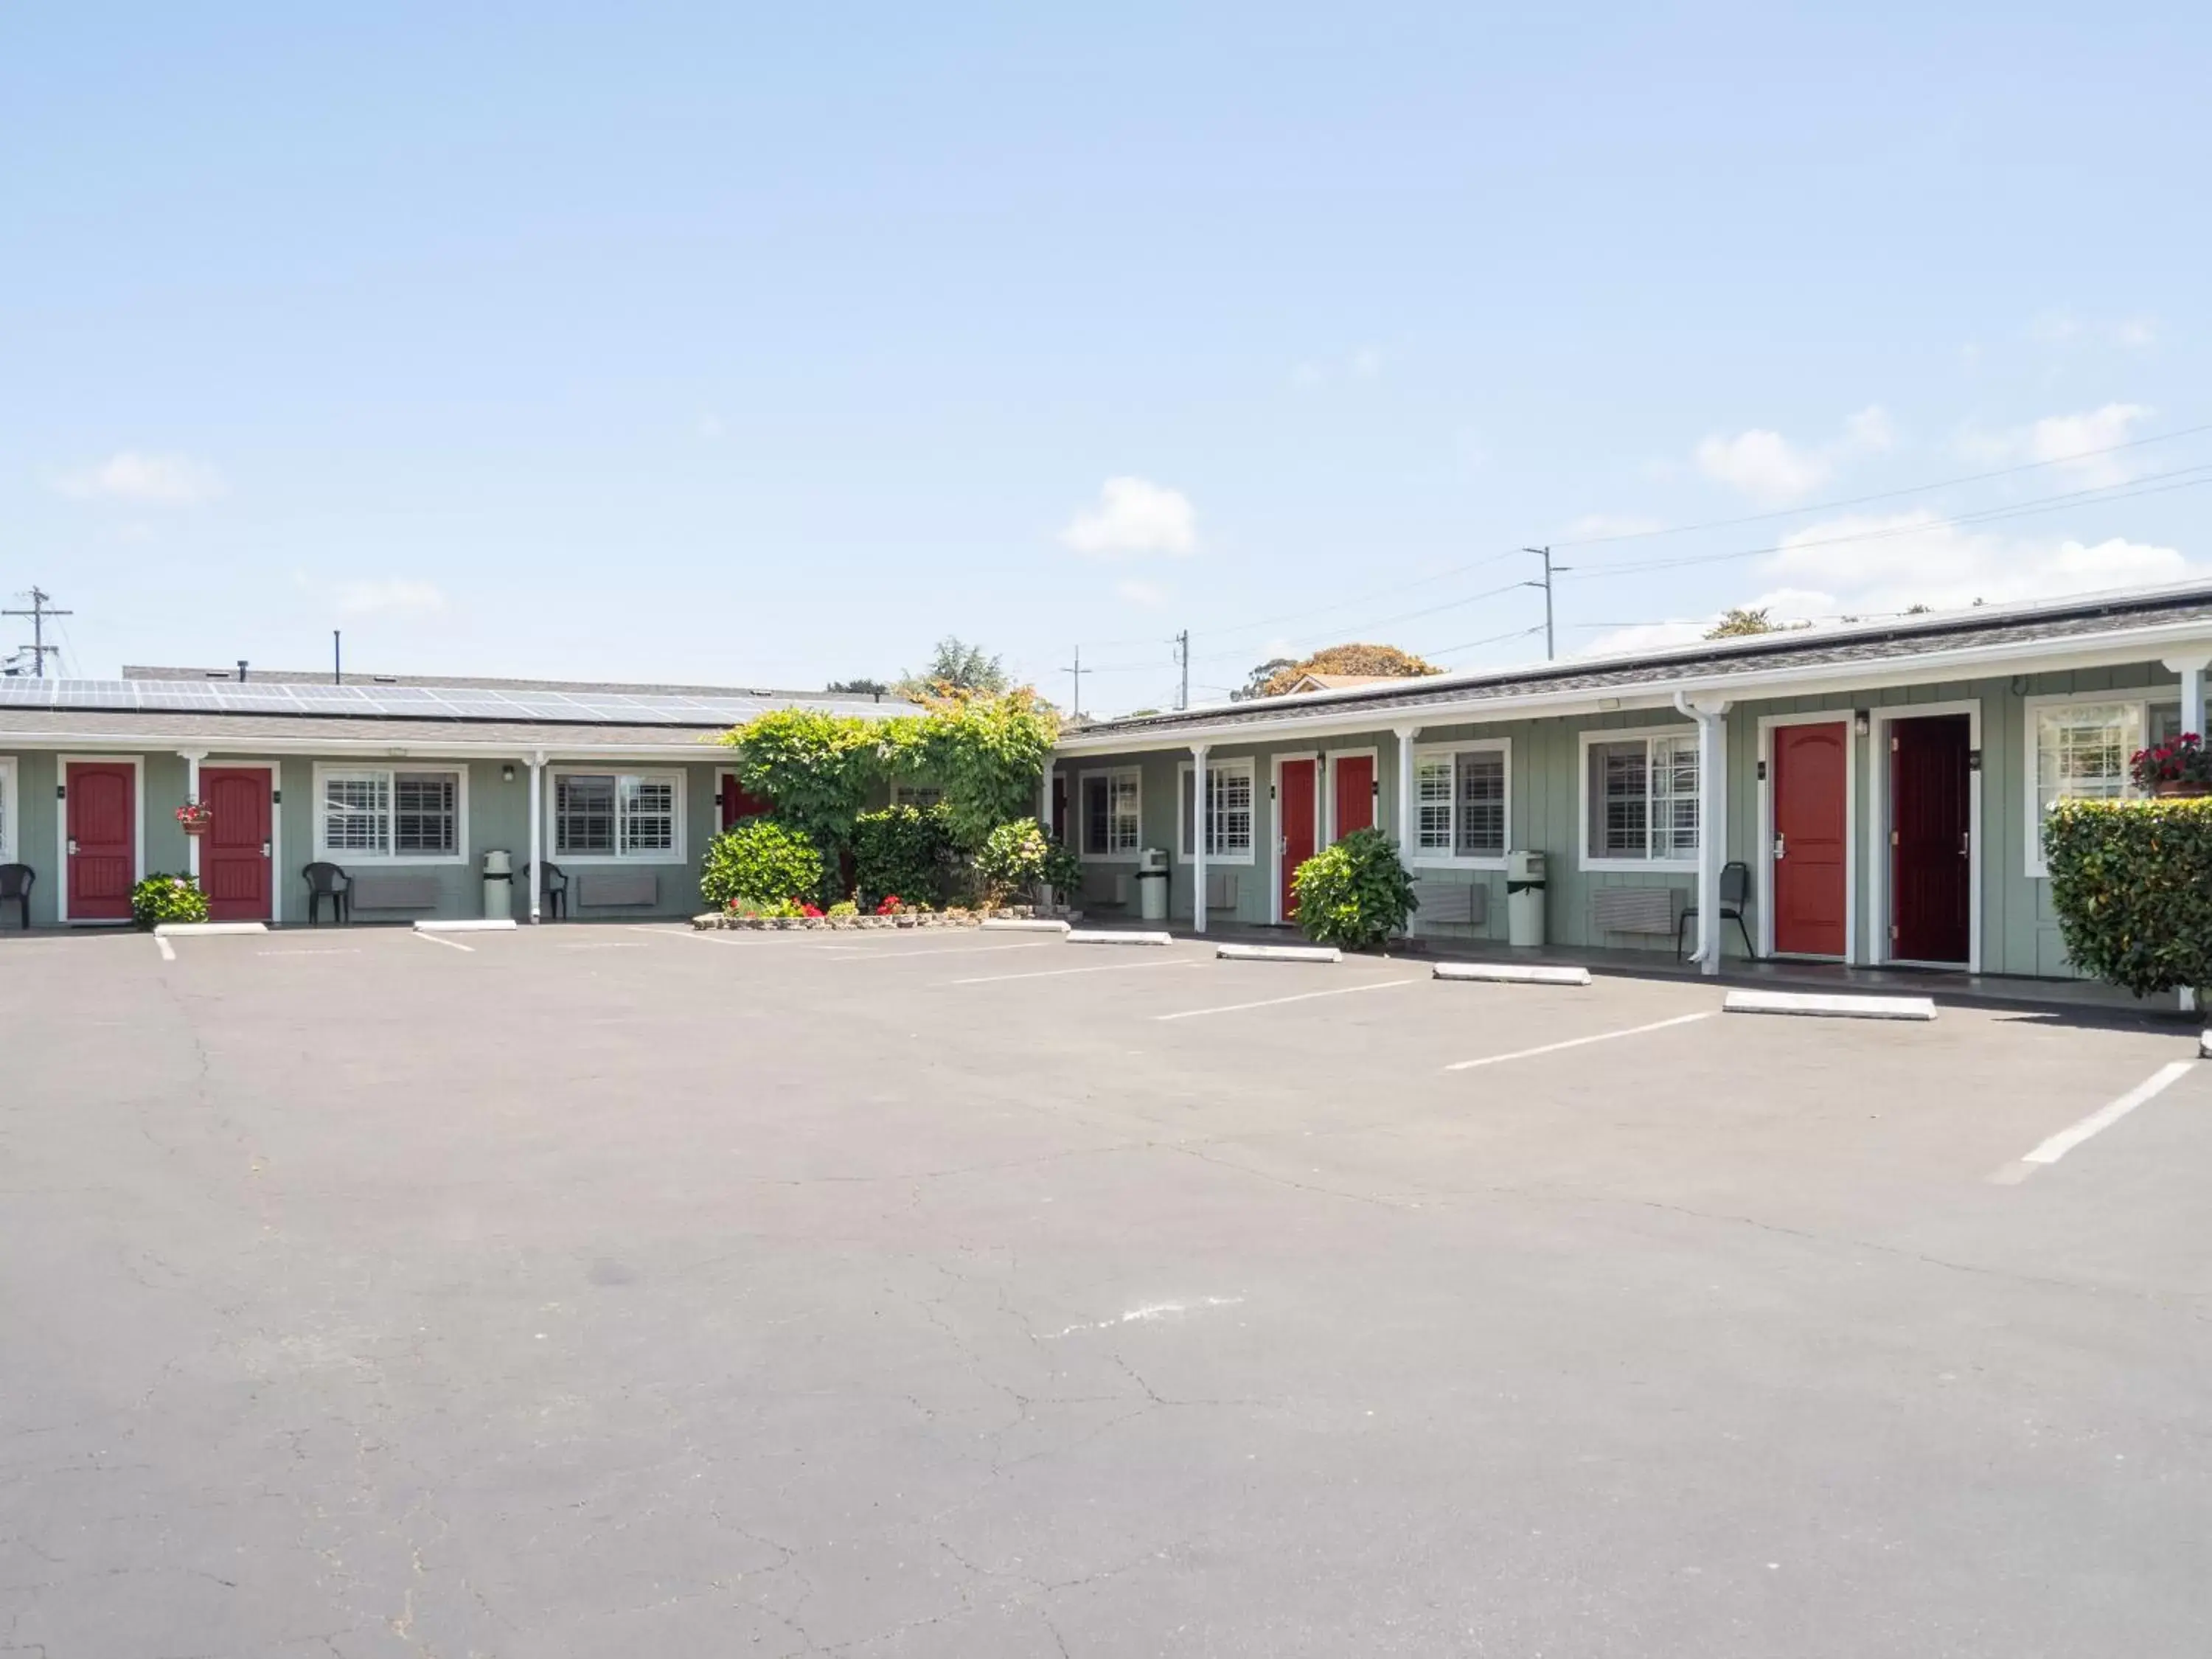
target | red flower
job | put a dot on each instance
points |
(808, 910)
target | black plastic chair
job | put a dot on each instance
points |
(15, 882)
(1735, 893)
(327, 881)
(555, 891)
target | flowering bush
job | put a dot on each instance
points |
(770, 909)
(167, 898)
(2186, 760)
(890, 905)
(806, 909)
(195, 812)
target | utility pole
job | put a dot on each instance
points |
(38, 613)
(338, 657)
(1078, 670)
(1181, 643)
(1551, 650)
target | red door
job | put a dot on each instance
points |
(736, 804)
(1930, 858)
(1355, 793)
(1295, 818)
(1810, 825)
(103, 839)
(234, 852)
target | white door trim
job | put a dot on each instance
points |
(62, 764)
(1879, 827)
(1848, 719)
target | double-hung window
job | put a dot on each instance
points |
(2080, 749)
(1642, 797)
(1460, 808)
(1228, 810)
(1111, 813)
(383, 812)
(618, 815)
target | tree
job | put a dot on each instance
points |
(1738, 620)
(956, 666)
(860, 688)
(1275, 678)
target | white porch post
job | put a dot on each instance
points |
(1712, 821)
(1044, 798)
(2191, 670)
(537, 833)
(1198, 825)
(193, 758)
(1406, 736)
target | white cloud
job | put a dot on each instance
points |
(2070, 441)
(157, 480)
(1151, 596)
(1135, 516)
(1366, 363)
(1774, 472)
(2064, 328)
(399, 597)
(1872, 566)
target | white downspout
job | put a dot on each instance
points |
(192, 759)
(1198, 829)
(1713, 824)
(1406, 736)
(1044, 799)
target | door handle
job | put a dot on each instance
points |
(1779, 848)
(264, 849)
(72, 846)
(1965, 837)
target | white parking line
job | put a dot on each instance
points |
(168, 951)
(957, 950)
(440, 939)
(1580, 1041)
(2149, 1089)
(1054, 973)
(315, 951)
(1303, 996)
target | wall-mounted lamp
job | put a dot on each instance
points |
(1861, 722)
(2019, 685)
(506, 772)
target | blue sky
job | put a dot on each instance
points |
(761, 345)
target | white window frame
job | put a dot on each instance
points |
(912, 795)
(1647, 735)
(675, 854)
(1083, 817)
(1244, 766)
(2144, 700)
(390, 773)
(10, 830)
(1424, 859)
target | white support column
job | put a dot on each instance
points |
(1198, 829)
(1406, 736)
(1712, 821)
(193, 758)
(537, 834)
(1044, 799)
(2191, 668)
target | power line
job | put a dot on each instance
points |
(1887, 495)
(1078, 670)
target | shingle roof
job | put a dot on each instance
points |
(244, 731)
(479, 682)
(1749, 659)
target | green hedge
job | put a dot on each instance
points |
(901, 851)
(161, 898)
(760, 861)
(2131, 882)
(1356, 894)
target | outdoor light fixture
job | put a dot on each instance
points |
(1861, 722)
(506, 772)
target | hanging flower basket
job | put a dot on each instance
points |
(2183, 766)
(195, 817)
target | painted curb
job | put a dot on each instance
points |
(2205, 1046)
(1278, 953)
(486, 927)
(1028, 926)
(1829, 1006)
(204, 929)
(1512, 974)
(1077, 936)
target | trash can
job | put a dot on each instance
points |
(499, 885)
(1153, 884)
(1524, 898)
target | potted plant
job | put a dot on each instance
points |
(2183, 766)
(195, 816)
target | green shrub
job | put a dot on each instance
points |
(985, 752)
(905, 851)
(1354, 894)
(760, 861)
(1014, 859)
(2131, 882)
(844, 907)
(815, 768)
(167, 898)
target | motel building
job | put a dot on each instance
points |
(600, 798)
(1872, 792)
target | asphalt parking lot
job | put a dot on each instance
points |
(625, 1291)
